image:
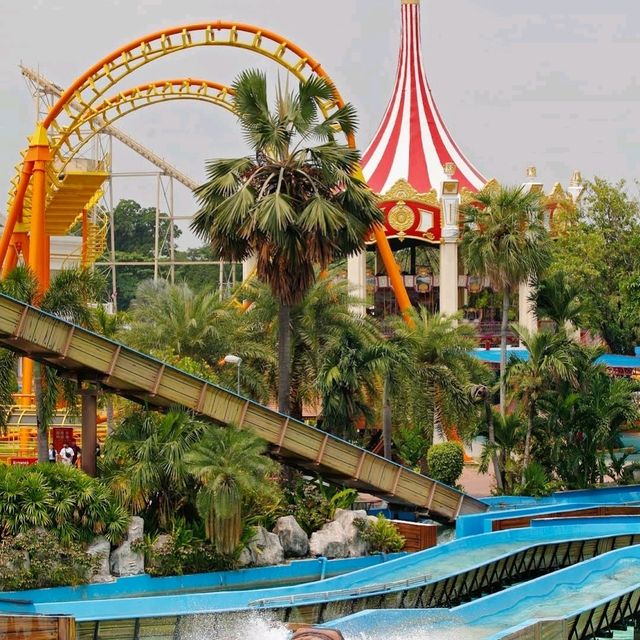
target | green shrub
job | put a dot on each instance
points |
(445, 462)
(315, 503)
(50, 563)
(61, 499)
(381, 535)
(188, 551)
(536, 482)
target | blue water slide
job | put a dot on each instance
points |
(564, 595)
(419, 568)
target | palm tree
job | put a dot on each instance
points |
(318, 322)
(230, 467)
(505, 241)
(557, 299)
(439, 349)
(349, 379)
(143, 462)
(550, 361)
(69, 296)
(109, 325)
(509, 432)
(174, 321)
(292, 205)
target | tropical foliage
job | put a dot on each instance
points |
(143, 464)
(505, 241)
(70, 296)
(61, 499)
(230, 467)
(599, 253)
(293, 206)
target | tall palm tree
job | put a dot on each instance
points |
(317, 323)
(550, 361)
(292, 205)
(70, 296)
(231, 467)
(442, 366)
(143, 462)
(558, 300)
(504, 240)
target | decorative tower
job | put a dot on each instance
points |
(418, 171)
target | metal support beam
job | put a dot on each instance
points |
(89, 430)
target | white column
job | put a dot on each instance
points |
(526, 313)
(248, 267)
(357, 277)
(449, 205)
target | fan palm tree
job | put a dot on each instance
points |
(505, 241)
(143, 462)
(551, 361)
(230, 467)
(442, 366)
(69, 296)
(557, 299)
(292, 205)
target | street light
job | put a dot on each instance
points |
(237, 360)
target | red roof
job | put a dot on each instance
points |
(412, 142)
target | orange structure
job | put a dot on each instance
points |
(92, 86)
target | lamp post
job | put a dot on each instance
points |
(237, 360)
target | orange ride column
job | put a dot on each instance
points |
(38, 155)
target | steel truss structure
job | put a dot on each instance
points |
(45, 93)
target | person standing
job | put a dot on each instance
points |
(66, 454)
(52, 455)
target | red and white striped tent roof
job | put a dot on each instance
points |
(412, 142)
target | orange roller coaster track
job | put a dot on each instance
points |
(92, 86)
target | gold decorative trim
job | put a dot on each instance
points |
(402, 190)
(401, 218)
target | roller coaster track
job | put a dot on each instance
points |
(164, 166)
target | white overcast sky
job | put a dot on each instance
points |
(553, 83)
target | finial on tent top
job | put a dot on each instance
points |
(532, 172)
(410, 1)
(576, 179)
(449, 169)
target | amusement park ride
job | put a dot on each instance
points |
(413, 163)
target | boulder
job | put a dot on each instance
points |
(124, 561)
(357, 546)
(339, 538)
(330, 542)
(294, 541)
(101, 548)
(136, 529)
(264, 549)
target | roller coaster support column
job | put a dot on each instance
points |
(390, 264)
(39, 153)
(15, 213)
(89, 429)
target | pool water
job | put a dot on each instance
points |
(632, 439)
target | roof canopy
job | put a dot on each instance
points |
(412, 142)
